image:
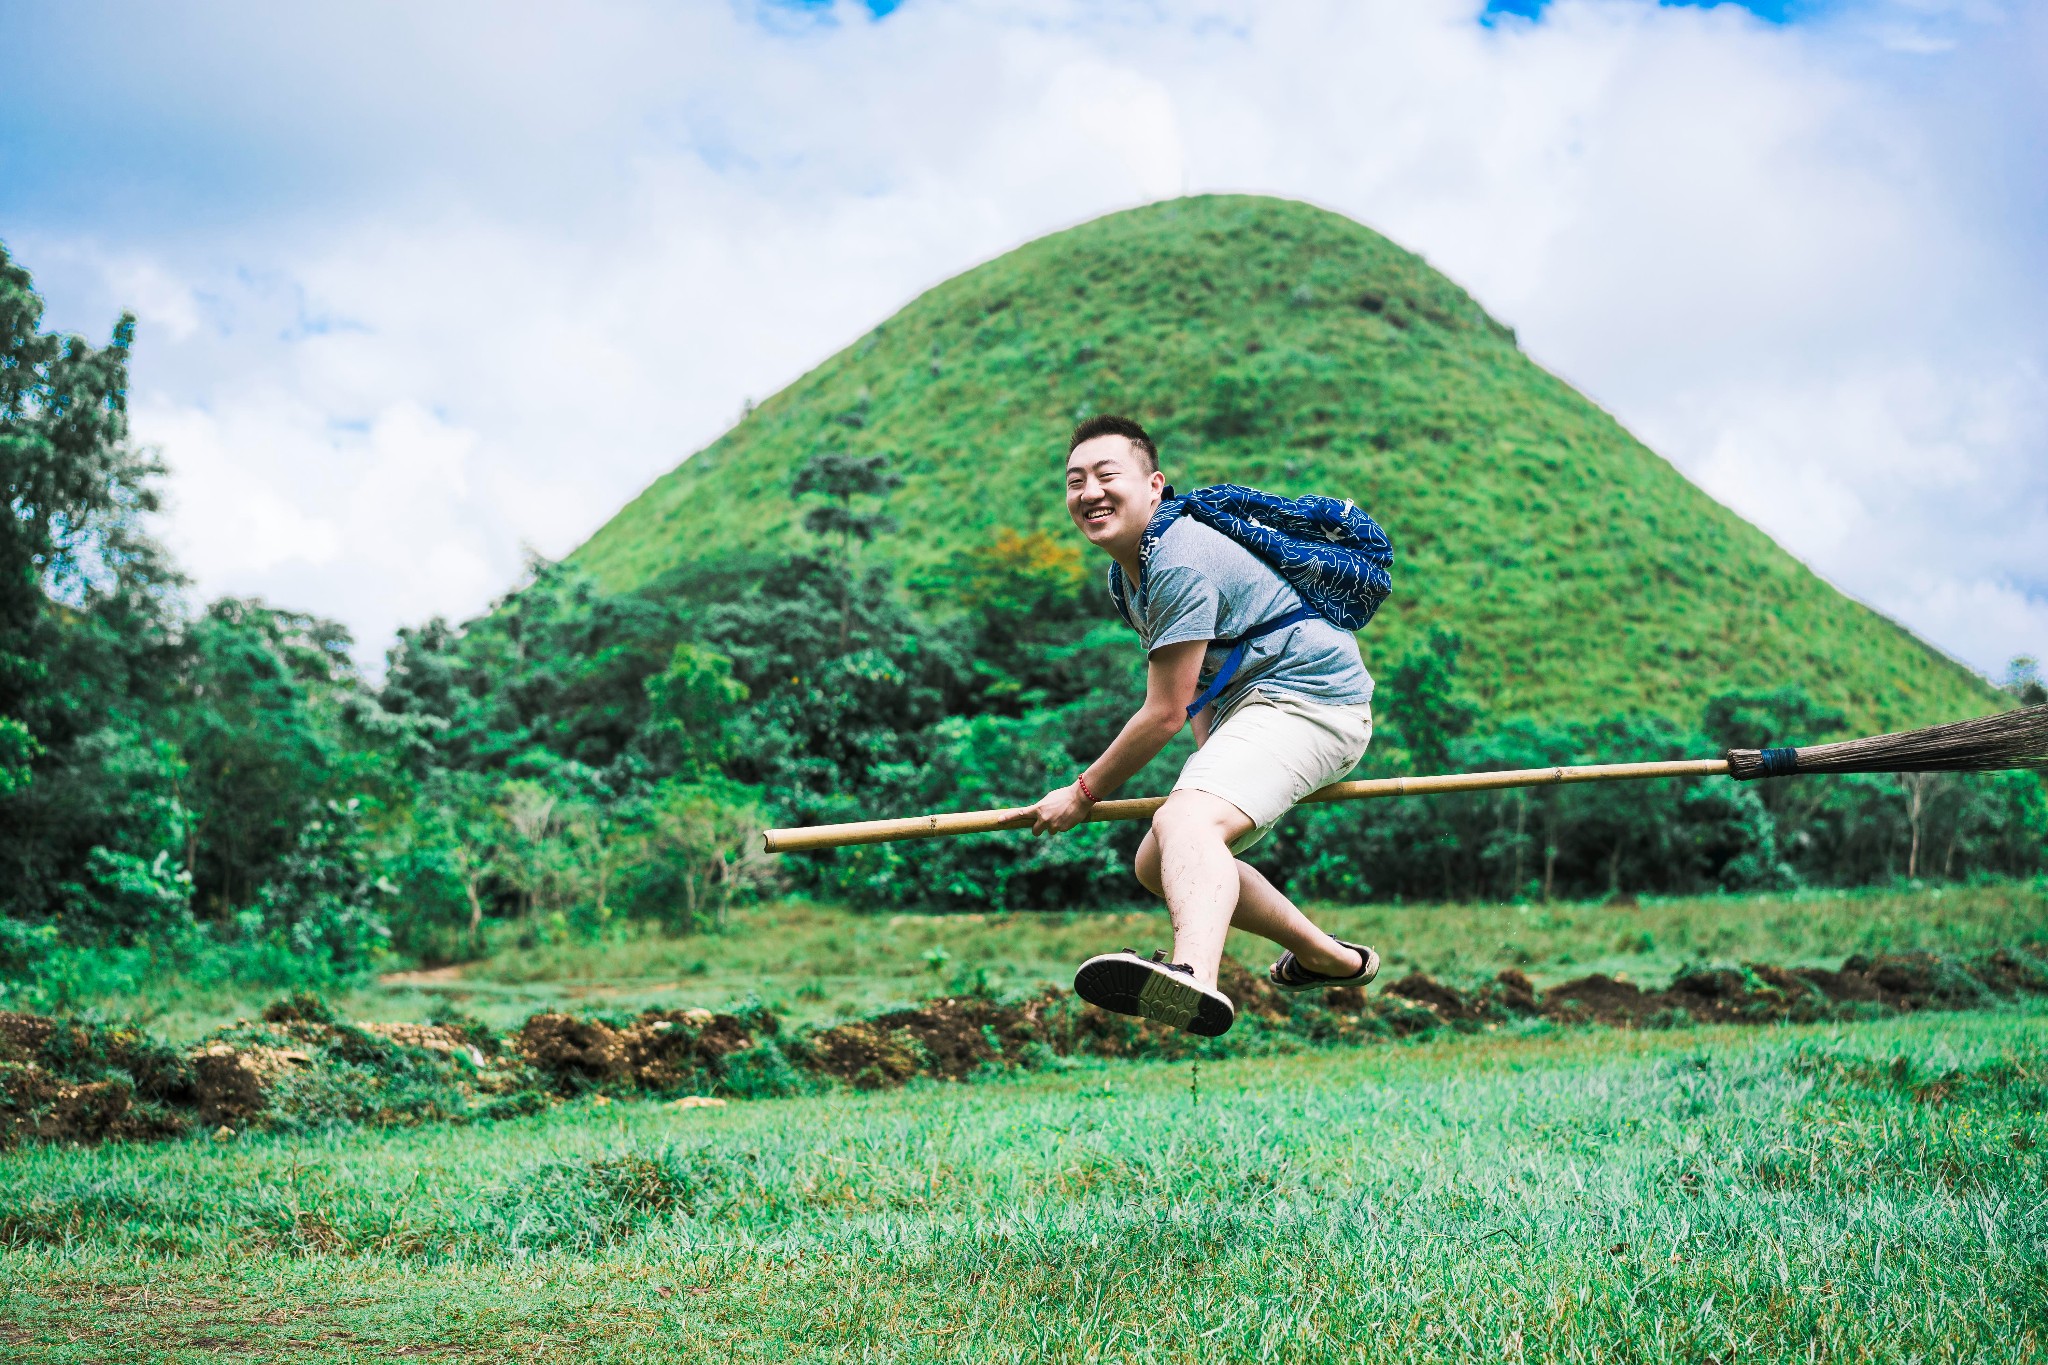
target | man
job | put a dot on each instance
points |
(1296, 716)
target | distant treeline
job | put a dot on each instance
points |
(221, 790)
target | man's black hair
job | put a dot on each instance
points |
(1106, 425)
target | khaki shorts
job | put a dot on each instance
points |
(1273, 749)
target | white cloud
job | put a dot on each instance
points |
(1130, 116)
(233, 517)
(501, 286)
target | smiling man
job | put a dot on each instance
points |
(1294, 715)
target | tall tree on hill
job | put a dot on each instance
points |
(841, 478)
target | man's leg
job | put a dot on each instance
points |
(1259, 907)
(1197, 875)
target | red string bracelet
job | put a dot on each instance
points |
(1081, 781)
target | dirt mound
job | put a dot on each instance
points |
(682, 1049)
(661, 1051)
(1506, 997)
(450, 1042)
(1750, 993)
(303, 1007)
(865, 1054)
(949, 1038)
(1596, 999)
(1757, 992)
(2010, 973)
(64, 1080)
(1517, 993)
(566, 1046)
(1254, 994)
(233, 1083)
(1427, 990)
(22, 1036)
(39, 1106)
(72, 1080)
(1918, 981)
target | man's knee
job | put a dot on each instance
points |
(1191, 814)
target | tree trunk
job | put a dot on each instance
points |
(845, 579)
(1916, 785)
(1521, 836)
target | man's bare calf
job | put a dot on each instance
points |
(1186, 858)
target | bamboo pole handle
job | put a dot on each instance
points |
(1019, 817)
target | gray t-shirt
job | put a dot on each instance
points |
(1202, 585)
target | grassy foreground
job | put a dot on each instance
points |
(1869, 1191)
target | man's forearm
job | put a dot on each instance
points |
(1140, 741)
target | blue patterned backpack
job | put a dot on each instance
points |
(1330, 552)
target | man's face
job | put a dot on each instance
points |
(1110, 494)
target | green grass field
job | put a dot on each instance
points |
(1866, 1192)
(1531, 1192)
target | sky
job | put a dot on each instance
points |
(425, 289)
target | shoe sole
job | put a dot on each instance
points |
(1130, 985)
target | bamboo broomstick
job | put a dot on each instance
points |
(2014, 739)
(1140, 808)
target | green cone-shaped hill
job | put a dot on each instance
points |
(1272, 343)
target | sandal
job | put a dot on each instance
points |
(1290, 975)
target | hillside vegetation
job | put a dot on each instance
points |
(215, 793)
(1277, 344)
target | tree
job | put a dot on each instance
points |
(692, 702)
(259, 719)
(2023, 680)
(1424, 704)
(528, 810)
(840, 478)
(87, 616)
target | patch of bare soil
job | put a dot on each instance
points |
(661, 1051)
(233, 1083)
(62, 1080)
(865, 1054)
(673, 1049)
(432, 1037)
(430, 976)
(564, 1045)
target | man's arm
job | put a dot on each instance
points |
(1172, 674)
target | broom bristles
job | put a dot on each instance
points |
(2012, 739)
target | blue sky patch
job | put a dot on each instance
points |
(1775, 11)
(879, 9)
